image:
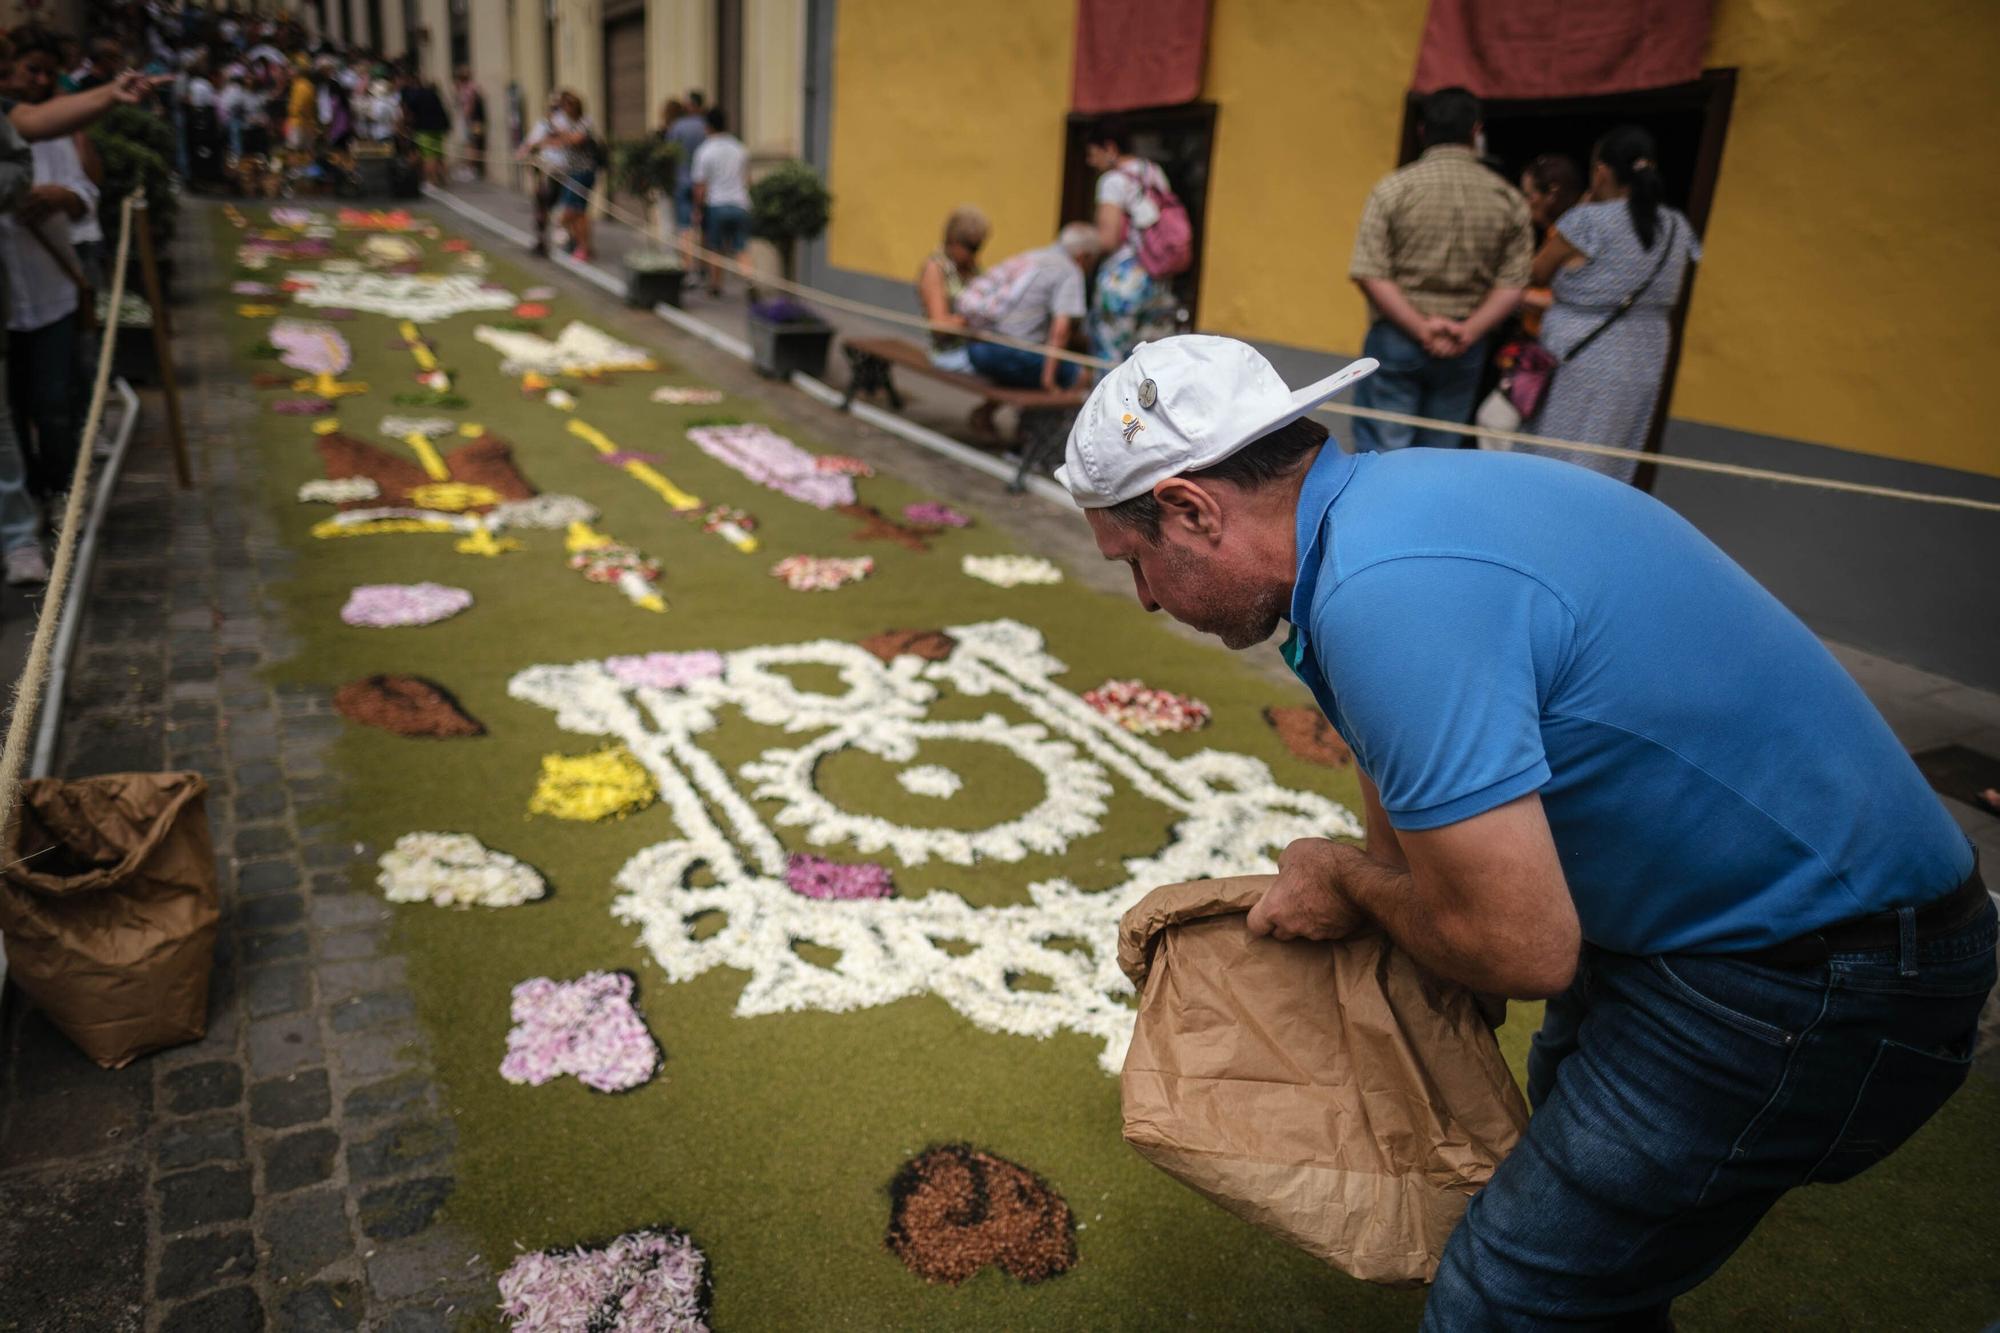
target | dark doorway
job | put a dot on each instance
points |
(728, 91)
(625, 82)
(1688, 121)
(1180, 139)
(461, 35)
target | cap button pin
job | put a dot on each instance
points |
(1149, 393)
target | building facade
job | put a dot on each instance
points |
(1838, 326)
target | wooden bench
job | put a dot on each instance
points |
(1045, 415)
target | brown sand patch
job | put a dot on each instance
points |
(933, 645)
(405, 705)
(955, 1209)
(877, 526)
(487, 461)
(1309, 736)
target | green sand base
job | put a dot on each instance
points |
(772, 1139)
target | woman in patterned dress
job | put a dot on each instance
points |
(1598, 253)
(1131, 306)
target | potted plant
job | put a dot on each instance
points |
(133, 354)
(646, 167)
(788, 206)
(136, 150)
(653, 277)
(785, 335)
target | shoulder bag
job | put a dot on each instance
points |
(1528, 384)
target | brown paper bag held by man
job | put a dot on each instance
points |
(1330, 1091)
(1601, 765)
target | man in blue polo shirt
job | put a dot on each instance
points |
(1601, 765)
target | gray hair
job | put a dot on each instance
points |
(1080, 240)
(967, 226)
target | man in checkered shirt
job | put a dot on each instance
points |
(1442, 255)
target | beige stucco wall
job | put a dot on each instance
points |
(774, 80)
(680, 50)
(489, 27)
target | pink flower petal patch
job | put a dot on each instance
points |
(822, 573)
(934, 515)
(664, 671)
(649, 1281)
(1149, 712)
(834, 881)
(587, 1027)
(388, 605)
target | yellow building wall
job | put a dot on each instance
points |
(1849, 290)
(1850, 285)
(939, 103)
(1309, 112)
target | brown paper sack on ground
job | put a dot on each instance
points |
(109, 908)
(1335, 1094)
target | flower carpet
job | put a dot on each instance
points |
(824, 888)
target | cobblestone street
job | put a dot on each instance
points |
(286, 1170)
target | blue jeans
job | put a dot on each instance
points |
(41, 365)
(1677, 1097)
(574, 194)
(1014, 368)
(1414, 382)
(20, 520)
(725, 228)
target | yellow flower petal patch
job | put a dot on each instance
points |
(607, 784)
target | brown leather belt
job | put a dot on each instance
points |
(1877, 930)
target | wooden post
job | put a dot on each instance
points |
(149, 270)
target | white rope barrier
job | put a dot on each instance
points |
(21, 726)
(885, 315)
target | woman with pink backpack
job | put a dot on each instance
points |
(1147, 241)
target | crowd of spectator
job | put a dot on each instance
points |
(1466, 277)
(253, 106)
(259, 107)
(51, 265)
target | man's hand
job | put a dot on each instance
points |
(132, 87)
(44, 200)
(1307, 902)
(1444, 338)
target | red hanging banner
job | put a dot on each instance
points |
(1134, 53)
(1561, 48)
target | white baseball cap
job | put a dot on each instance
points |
(1179, 405)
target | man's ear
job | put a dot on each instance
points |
(1188, 509)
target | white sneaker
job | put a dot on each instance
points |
(26, 565)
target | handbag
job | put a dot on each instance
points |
(1497, 413)
(1166, 240)
(1534, 370)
